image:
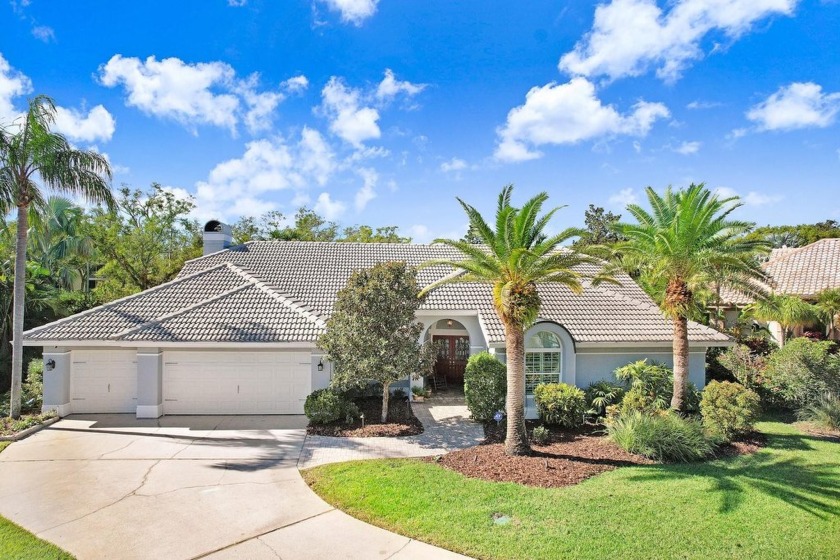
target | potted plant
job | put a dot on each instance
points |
(419, 393)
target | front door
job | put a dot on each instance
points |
(452, 355)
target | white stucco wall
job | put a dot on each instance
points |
(595, 364)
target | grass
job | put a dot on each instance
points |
(782, 502)
(18, 543)
(4, 445)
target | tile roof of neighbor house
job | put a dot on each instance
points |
(283, 291)
(801, 271)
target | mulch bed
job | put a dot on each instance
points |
(818, 431)
(569, 458)
(402, 421)
(564, 461)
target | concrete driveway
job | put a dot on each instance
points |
(112, 486)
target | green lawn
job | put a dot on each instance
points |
(782, 502)
(20, 544)
(4, 445)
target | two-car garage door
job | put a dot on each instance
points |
(235, 382)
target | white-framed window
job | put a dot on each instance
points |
(543, 360)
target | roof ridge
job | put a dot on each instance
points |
(796, 250)
(167, 316)
(115, 302)
(279, 295)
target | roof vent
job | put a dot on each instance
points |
(217, 237)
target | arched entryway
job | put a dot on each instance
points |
(452, 342)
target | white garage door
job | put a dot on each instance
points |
(235, 382)
(104, 381)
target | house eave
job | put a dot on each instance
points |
(168, 344)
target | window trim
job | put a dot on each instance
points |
(542, 351)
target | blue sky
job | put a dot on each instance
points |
(382, 111)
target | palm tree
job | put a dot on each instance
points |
(789, 311)
(513, 258)
(57, 241)
(30, 153)
(828, 303)
(685, 238)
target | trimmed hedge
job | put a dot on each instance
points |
(729, 409)
(324, 406)
(560, 404)
(485, 386)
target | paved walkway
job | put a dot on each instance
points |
(446, 426)
(221, 487)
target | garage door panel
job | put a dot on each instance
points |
(103, 381)
(236, 382)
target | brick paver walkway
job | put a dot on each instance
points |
(446, 426)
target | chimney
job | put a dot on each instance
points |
(217, 237)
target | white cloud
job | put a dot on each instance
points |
(268, 165)
(797, 105)
(752, 198)
(420, 233)
(687, 148)
(12, 84)
(204, 93)
(237, 3)
(628, 37)
(390, 87)
(44, 33)
(624, 197)
(349, 120)
(329, 208)
(697, 105)
(353, 11)
(566, 114)
(97, 125)
(455, 164)
(295, 84)
(368, 190)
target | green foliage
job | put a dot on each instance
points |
(325, 406)
(372, 334)
(418, 391)
(828, 306)
(600, 395)
(824, 411)
(10, 426)
(540, 435)
(143, 241)
(600, 228)
(788, 311)
(729, 409)
(796, 236)
(801, 371)
(560, 404)
(485, 386)
(366, 234)
(33, 385)
(745, 366)
(651, 385)
(663, 436)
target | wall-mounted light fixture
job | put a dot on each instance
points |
(449, 322)
(49, 365)
(320, 365)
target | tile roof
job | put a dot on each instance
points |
(803, 271)
(283, 291)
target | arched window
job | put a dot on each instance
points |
(543, 359)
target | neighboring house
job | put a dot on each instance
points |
(800, 271)
(235, 332)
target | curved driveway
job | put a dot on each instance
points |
(112, 486)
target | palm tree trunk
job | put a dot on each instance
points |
(17, 324)
(516, 439)
(386, 394)
(680, 363)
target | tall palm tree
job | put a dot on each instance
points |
(684, 238)
(789, 311)
(33, 157)
(513, 258)
(828, 303)
(58, 243)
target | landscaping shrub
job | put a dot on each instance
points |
(663, 436)
(802, 371)
(729, 409)
(600, 395)
(824, 411)
(32, 389)
(540, 435)
(651, 388)
(746, 365)
(485, 386)
(560, 404)
(324, 406)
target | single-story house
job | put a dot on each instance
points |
(236, 331)
(794, 271)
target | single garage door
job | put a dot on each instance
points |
(235, 382)
(103, 381)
